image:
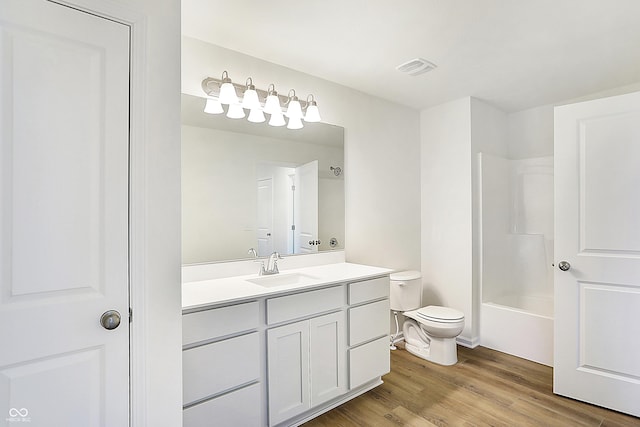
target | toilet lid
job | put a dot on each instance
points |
(403, 276)
(440, 314)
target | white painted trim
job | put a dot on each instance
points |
(137, 22)
(468, 342)
(137, 221)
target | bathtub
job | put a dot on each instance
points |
(519, 325)
(516, 253)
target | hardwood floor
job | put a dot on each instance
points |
(485, 388)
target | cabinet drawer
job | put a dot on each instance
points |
(368, 361)
(368, 321)
(217, 322)
(216, 367)
(239, 408)
(368, 290)
(303, 304)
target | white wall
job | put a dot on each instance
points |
(158, 294)
(446, 207)
(162, 292)
(530, 133)
(382, 151)
(452, 135)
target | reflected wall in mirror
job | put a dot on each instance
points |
(250, 185)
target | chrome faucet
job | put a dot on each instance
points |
(254, 253)
(272, 264)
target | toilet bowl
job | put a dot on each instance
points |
(429, 332)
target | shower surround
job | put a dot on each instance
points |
(516, 216)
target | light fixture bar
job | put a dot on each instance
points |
(211, 86)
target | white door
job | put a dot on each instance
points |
(64, 112)
(264, 229)
(597, 214)
(306, 208)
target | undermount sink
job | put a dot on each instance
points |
(283, 279)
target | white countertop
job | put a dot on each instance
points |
(232, 289)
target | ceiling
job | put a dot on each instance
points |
(513, 54)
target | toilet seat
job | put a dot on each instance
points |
(438, 314)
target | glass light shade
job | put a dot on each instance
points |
(256, 116)
(294, 111)
(294, 123)
(313, 114)
(235, 111)
(277, 119)
(250, 99)
(213, 106)
(228, 94)
(272, 105)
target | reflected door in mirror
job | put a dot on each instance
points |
(265, 217)
(306, 208)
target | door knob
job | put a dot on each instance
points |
(110, 319)
(564, 265)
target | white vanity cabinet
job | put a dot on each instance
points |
(221, 366)
(280, 357)
(368, 330)
(306, 359)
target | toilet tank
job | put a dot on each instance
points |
(406, 291)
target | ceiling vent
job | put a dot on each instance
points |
(416, 66)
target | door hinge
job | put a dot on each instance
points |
(293, 188)
(130, 314)
(293, 227)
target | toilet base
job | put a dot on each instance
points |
(437, 351)
(443, 351)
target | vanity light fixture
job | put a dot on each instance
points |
(312, 114)
(256, 115)
(295, 123)
(227, 90)
(272, 102)
(235, 111)
(294, 110)
(222, 92)
(250, 97)
(213, 106)
(277, 119)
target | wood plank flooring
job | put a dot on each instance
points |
(485, 388)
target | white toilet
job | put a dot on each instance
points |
(429, 332)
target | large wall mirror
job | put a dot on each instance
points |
(250, 185)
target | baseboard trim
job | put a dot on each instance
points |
(468, 342)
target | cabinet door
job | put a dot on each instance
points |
(288, 371)
(327, 358)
